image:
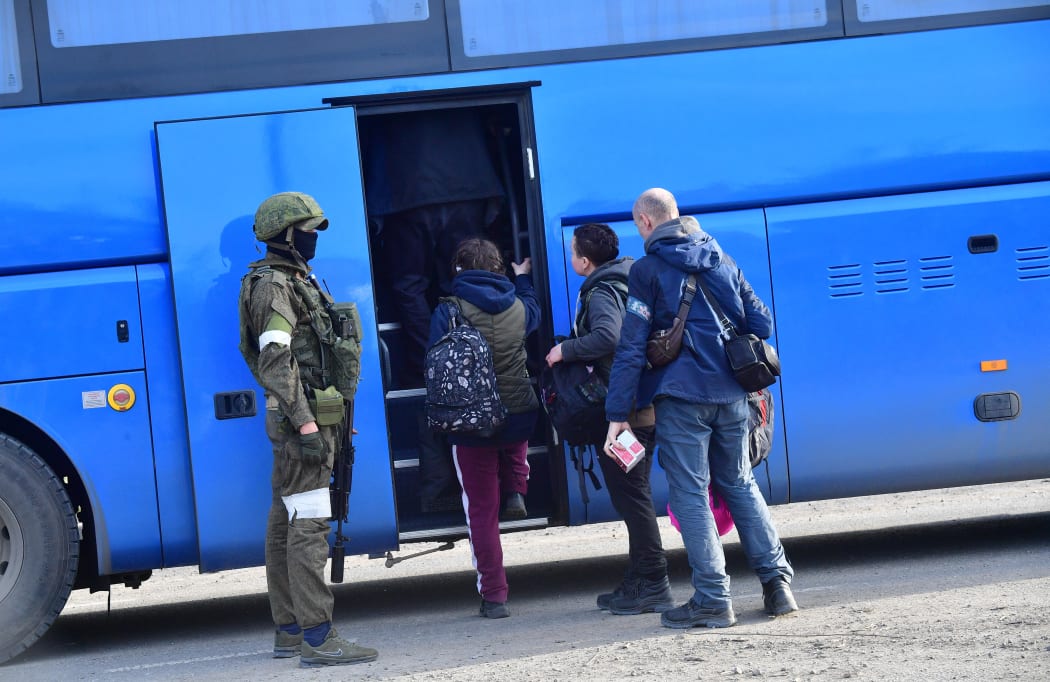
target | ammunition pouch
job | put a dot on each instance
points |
(327, 406)
(346, 348)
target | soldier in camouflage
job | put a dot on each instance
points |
(283, 323)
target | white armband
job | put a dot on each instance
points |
(281, 338)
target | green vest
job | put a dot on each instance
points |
(505, 334)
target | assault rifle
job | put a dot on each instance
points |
(343, 468)
(342, 477)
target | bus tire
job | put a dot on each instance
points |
(39, 547)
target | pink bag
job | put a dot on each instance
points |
(723, 519)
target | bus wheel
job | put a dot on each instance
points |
(39, 547)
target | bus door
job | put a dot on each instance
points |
(215, 173)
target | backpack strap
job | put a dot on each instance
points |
(616, 286)
(455, 313)
(583, 460)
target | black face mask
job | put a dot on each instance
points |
(305, 243)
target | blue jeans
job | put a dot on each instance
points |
(704, 444)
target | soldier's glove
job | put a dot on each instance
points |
(312, 446)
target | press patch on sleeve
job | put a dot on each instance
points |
(639, 308)
(312, 504)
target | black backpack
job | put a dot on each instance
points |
(462, 395)
(573, 393)
(574, 396)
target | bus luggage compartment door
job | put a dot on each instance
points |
(913, 332)
(215, 174)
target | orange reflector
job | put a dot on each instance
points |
(993, 365)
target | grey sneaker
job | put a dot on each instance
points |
(514, 507)
(286, 645)
(335, 650)
(643, 596)
(493, 609)
(691, 615)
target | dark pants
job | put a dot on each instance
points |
(632, 498)
(417, 252)
(487, 473)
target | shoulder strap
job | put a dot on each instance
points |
(728, 330)
(617, 286)
(687, 297)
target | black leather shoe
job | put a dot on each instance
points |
(692, 615)
(514, 507)
(493, 609)
(776, 594)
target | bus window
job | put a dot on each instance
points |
(122, 48)
(112, 22)
(507, 28)
(10, 65)
(884, 10)
(18, 83)
(888, 16)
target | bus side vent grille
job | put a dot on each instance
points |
(1033, 262)
(937, 272)
(891, 276)
(845, 280)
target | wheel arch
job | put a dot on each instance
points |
(45, 447)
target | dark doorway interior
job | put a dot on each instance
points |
(436, 173)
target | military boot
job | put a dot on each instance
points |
(643, 596)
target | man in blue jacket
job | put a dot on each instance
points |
(701, 411)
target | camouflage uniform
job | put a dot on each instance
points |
(309, 369)
(282, 318)
(275, 298)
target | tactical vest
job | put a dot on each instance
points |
(327, 352)
(505, 333)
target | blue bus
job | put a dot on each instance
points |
(879, 168)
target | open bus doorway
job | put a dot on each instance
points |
(433, 178)
(435, 173)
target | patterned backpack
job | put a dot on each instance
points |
(461, 382)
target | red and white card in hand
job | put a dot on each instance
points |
(627, 450)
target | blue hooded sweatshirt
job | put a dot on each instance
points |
(700, 374)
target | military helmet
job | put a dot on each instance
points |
(283, 210)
